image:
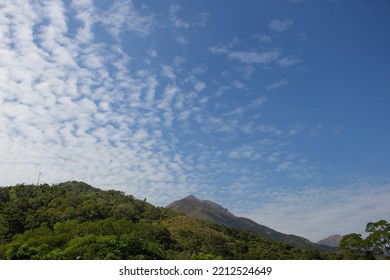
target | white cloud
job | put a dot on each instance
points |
(269, 129)
(168, 72)
(199, 86)
(222, 89)
(176, 21)
(152, 52)
(200, 20)
(246, 71)
(277, 84)
(263, 38)
(85, 12)
(123, 16)
(279, 25)
(238, 84)
(284, 166)
(246, 152)
(317, 212)
(232, 121)
(256, 103)
(248, 57)
(293, 130)
(199, 70)
(182, 40)
(255, 57)
(179, 60)
(66, 115)
(288, 61)
(218, 50)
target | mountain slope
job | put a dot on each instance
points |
(210, 211)
(331, 241)
(74, 220)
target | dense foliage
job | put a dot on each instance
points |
(375, 246)
(76, 221)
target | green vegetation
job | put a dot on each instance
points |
(375, 246)
(76, 221)
(210, 211)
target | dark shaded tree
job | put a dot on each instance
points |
(375, 246)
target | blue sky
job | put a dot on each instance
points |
(277, 110)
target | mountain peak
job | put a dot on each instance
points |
(191, 197)
(210, 211)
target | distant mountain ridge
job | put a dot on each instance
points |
(210, 211)
(331, 241)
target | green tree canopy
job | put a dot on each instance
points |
(375, 246)
(74, 220)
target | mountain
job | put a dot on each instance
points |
(331, 241)
(74, 220)
(210, 211)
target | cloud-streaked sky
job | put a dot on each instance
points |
(277, 110)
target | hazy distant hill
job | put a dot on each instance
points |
(331, 241)
(211, 211)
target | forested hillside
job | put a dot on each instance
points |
(207, 210)
(74, 220)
